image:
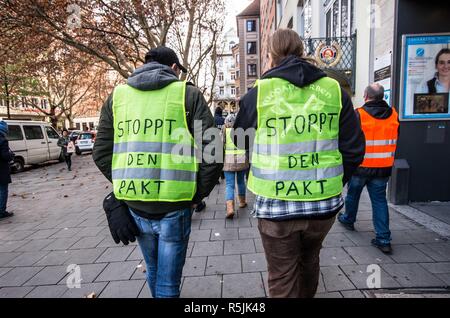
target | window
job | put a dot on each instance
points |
(340, 18)
(233, 90)
(51, 133)
(86, 136)
(33, 132)
(307, 18)
(44, 103)
(91, 125)
(251, 25)
(237, 75)
(221, 91)
(252, 70)
(237, 59)
(15, 133)
(77, 126)
(220, 77)
(233, 76)
(251, 47)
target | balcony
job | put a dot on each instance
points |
(343, 66)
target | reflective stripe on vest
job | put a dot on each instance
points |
(296, 151)
(154, 152)
(381, 139)
(230, 147)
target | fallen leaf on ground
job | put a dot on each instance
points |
(66, 196)
(91, 295)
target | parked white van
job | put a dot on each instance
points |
(33, 143)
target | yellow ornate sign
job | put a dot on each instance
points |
(328, 55)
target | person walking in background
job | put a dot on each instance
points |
(308, 143)
(381, 126)
(235, 169)
(67, 148)
(155, 186)
(6, 156)
(218, 118)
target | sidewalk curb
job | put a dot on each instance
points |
(431, 223)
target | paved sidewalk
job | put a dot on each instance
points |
(59, 221)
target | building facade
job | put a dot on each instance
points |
(23, 108)
(225, 87)
(248, 22)
(336, 33)
(268, 27)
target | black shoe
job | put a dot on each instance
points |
(348, 226)
(200, 207)
(386, 249)
(5, 215)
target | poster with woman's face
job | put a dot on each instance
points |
(425, 77)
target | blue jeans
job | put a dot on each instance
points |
(377, 192)
(164, 244)
(231, 178)
(3, 197)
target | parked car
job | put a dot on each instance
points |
(85, 142)
(33, 143)
(74, 134)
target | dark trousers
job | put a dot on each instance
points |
(68, 158)
(292, 251)
(3, 197)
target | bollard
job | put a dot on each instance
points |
(398, 192)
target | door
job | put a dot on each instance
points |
(17, 141)
(36, 143)
(53, 137)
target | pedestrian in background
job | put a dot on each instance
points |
(6, 156)
(308, 143)
(67, 148)
(380, 125)
(235, 168)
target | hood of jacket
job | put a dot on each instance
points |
(297, 71)
(152, 76)
(378, 109)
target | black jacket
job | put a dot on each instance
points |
(219, 120)
(300, 73)
(380, 110)
(5, 158)
(154, 76)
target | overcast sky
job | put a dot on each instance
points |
(234, 7)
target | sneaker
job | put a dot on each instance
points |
(200, 207)
(6, 214)
(348, 226)
(386, 248)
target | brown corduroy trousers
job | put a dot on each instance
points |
(292, 251)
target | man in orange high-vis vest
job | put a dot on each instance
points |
(380, 125)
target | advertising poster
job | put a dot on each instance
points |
(425, 77)
(383, 70)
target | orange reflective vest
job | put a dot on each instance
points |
(381, 139)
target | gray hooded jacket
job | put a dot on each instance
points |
(154, 76)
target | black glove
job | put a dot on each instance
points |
(121, 223)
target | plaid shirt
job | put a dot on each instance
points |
(278, 210)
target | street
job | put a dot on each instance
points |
(59, 221)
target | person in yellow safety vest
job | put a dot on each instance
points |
(380, 125)
(235, 168)
(145, 147)
(307, 145)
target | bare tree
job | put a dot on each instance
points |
(119, 33)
